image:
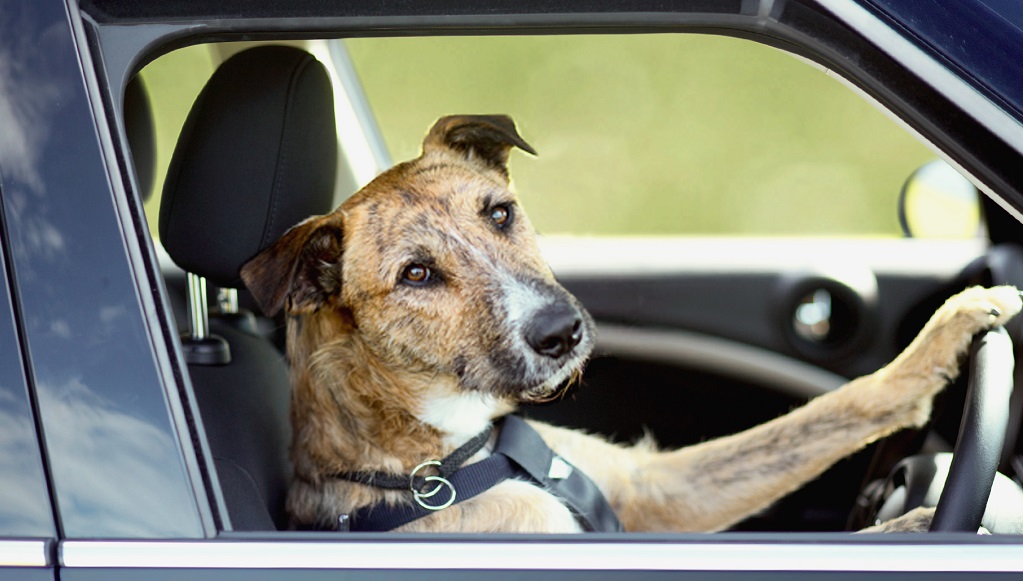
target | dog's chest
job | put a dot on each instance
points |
(516, 506)
(512, 505)
(459, 416)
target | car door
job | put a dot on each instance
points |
(746, 338)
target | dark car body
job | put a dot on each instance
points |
(104, 466)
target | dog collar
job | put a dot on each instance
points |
(416, 482)
(520, 453)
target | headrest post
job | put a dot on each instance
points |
(198, 315)
(199, 346)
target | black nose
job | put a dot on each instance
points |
(555, 330)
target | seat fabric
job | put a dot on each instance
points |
(257, 154)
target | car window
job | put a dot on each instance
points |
(733, 139)
(657, 134)
(648, 135)
(617, 157)
(25, 511)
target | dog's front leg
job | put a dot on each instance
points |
(715, 484)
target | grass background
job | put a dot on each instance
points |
(653, 134)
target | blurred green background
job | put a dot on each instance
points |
(653, 134)
(658, 134)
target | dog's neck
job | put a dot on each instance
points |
(459, 415)
(357, 411)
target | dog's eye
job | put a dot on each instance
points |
(417, 274)
(501, 216)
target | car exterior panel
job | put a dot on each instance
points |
(88, 344)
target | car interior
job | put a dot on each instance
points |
(678, 359)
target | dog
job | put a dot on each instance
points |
(421, 311)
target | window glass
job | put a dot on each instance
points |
(657, 134)
(25, 505)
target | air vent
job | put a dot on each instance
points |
(826, 316)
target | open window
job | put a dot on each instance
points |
(729, 215)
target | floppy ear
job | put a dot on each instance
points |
(299, 271)
(487, 138)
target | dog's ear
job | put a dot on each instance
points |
(299, 271)
(485, 137)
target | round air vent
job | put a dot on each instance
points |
(825, 316)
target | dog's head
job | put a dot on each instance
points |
(438, 269)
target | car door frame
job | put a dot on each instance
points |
(113, 47)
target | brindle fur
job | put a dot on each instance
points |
(386, 375)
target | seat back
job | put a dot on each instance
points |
(257, 154)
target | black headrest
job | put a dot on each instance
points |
(138, 125)
(257, 155)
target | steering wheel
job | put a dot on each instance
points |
(981, 434)
(958, 485)
(988, 419)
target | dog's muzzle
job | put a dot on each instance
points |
(545, 338)
(555, 330)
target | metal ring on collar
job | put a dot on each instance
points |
(441, 482)
(412, 480)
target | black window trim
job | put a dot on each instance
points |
(986, 112)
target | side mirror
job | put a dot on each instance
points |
(937, 202)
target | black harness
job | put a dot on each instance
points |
(520, 453)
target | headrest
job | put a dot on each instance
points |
(138, 126)
(257, 155)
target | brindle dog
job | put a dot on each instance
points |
(421, 310)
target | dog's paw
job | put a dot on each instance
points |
(932, 360)
(977, 309)
(917, 520)
(947, 336)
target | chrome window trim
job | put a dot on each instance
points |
(550, 556)
(24, 553)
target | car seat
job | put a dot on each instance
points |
(257, 154)
(139, 127)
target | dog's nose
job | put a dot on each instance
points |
(555, 330)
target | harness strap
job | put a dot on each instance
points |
(520, 453)
(519, 442)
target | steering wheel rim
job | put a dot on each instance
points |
(978, 447)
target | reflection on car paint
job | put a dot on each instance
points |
(88, 345)
(26, 510)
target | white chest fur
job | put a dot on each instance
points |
(460, 416)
